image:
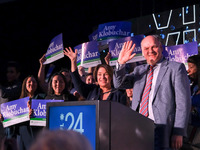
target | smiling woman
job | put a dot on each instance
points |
(27, 132)
(103, 76)
(58, 88)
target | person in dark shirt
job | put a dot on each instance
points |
(12, 89)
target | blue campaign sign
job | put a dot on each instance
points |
(55, 49)
(81, 118)
(88, 54)
(39, 107)
(115, 47)
(114, 29)
(180, 53)
(39, 111)
(94, 36)
(15, 112)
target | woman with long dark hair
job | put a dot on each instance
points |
(58, 88)
(28, 133)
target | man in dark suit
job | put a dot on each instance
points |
(161, 91)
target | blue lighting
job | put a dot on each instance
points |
(149, 26)
(162, 36)
(158, 16)
(186, 41)
(172, 27)
(132, 34)
(180, 15)
(186, 10)
(159, 24)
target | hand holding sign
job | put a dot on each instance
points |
(1, 117)
(55, 50)
(126, 52)
(42, 60)
(15, 112)
(107, 58)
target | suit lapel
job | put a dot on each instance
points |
(162, 71)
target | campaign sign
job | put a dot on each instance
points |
(39, 111)
(180, 53)
(94, 36)
(55, 50)
(116, 46)
(80, 118)
(88, 54)
(15, 112)
(114, 30)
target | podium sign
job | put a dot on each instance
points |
(107, 125)
(74, 117)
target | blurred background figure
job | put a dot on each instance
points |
(61, 140)
(10, 91)
(9, 144)
(129, 96)
(12, 88)
(194, 73)
(68, 77)
(89, 79)
(82, 73)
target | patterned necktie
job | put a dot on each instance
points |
(145, 97)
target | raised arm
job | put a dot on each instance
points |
(124, 56)
(72, 56)
(41, 74)
(82, 88)
(107, 58)
(126, 53)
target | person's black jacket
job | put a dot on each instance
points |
(12, 91)
(93, 92)
(64, 97)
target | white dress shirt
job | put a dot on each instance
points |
(156, 69)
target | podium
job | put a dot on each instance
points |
(107, 125)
